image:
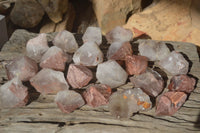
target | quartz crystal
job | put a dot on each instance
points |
(119, 50)
(66, 41)
(122, 104)
(92, 34)
(22, 67)
(175, 63)
(182, 83)
(150, 82)
(69, 100)
(48, 81)
(78, 76)
(111, 74)
(36, 47)
(119, 34)
(169, 103)
(13, 94)
(89, 54)
(154, 50)
(136, 64)
(54, 58)
(97, 95)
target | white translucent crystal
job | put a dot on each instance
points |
(154, 50)
(12, 99)
(119, 34)
(111, 73)
(66, 41)
(92, 34)
(36, 47)
(175, 63)
(123, 104)
(114, 47)
(89, 54)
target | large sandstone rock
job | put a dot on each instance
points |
(26, 13)
(54, 8)
(111, 13)
(168, 20)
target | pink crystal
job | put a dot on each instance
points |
(78, 76)
(182, 83)
(150, 82)
(119, 34)
(22, 67)
(169, 103)
(36, 47)
(66, 41)
(175, 63)
(69, 101)
(48, 81)
(13, 94)
(92, 34)
(97, 95)
(119, 50)
(54, 58)
(136, 64)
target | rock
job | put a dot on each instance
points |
(26, 16)
(182, 83)
(54, 8)
(111, 74)
(174, 63)
(119, 50)
(3, 31)
(69, 100)
(22, 67)
(54, 58)
(179, 26)
(119, 34)
(89, 54)
(97, 95)
(78, 76)
(136, 64)
(66, 41)
(13, 94)
(150, 82)
(169, 103)
(113, 13)
(154, 50)
(122, 104)
(36, 47)
(49, 81)
(48, 27)
(92, 34)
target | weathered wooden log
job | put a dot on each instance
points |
(3, 31)
(42, 114)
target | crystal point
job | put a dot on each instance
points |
(92, 34)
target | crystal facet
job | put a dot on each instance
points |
(153, 50)
(22, 67)
(66, 41)
(119, 50)
(97, 95)
(36, 47)
(169, 103)
(175, 63)
(136, 64)
(119, 34)
(92, 34)
(182, 83)
(78, 76)
(69, 101)
(89, 54)
(150, 82)
(54, 58)
(122, 104)
(48, 81)
(13, 94)
(111, 73)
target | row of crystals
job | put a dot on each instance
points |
(110, 74)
